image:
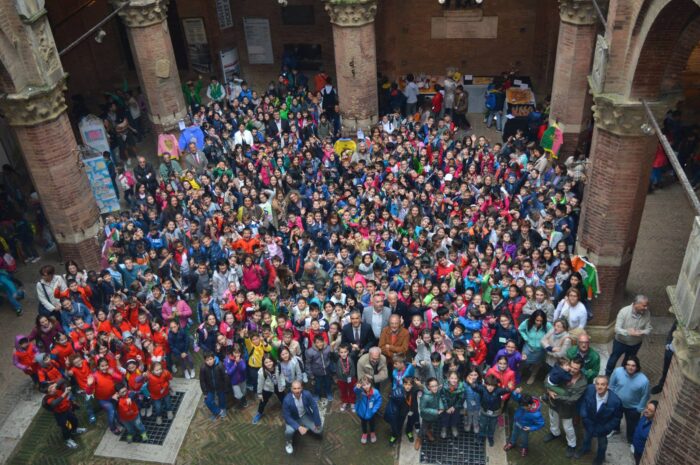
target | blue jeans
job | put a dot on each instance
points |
(602, 445)
(134, 426)
(89, 407)
(10, 289)
(210, 401)
(487, 426)
(108, 406)
(450, 419)
(619, 349)
(160, 403)
(498, 116)
(519, 434)
(323, 386)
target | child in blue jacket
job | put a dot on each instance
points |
(367, 403)
(527, 418)
(472, 402)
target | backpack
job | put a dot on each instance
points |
(9, 261)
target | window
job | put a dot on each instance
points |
(298, 15)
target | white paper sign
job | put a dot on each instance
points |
(258, 41)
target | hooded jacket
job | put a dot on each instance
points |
(529, 417)
(25, 360)
(367, 404)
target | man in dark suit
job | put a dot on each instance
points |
(277, 125)
(358, 334)
(601, 412)
(397, 307)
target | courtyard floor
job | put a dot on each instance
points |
(660, 248)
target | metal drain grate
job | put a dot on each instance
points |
(157, 433)
(466, 449)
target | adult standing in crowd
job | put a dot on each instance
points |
(632, 324)
(563, 408)
(632, 387)
(601, 412)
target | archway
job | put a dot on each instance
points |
(32, 84)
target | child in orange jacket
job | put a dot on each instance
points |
(159, 387)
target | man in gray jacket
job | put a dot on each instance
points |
(377, 315)
(633, 322)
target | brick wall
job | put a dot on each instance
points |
(664, 51)
(525, 40)
(527, 35)
(613, 205)
(318, 33)
(92, 67)
(675, 432)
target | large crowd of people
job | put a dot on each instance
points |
(423, 272)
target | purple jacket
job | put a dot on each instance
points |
(236, 371)
(513, 362)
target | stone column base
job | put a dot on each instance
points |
(601, 334)
(351, 125)
(160, 125)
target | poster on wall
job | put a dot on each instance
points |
(101, 184)
(197, 45)
(223, 14)
(258, 41)
(92, 131)
(229, 63)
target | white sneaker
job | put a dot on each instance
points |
(80, 430)
(343, 407)
(352, 408)
(71, 444)
(288, 448)
(174, 370)
(187, 374)
(192, 375)
(170, 414)
(149, 411)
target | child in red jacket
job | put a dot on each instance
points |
(128, 413)
(24, 357)
(159, 387)
(477, 350)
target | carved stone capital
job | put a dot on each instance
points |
(580, 12)
(34, 104)
(142, 13)
(351, 13)
(686, 344)
(616, 114)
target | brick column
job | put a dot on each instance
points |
(570, 100)
(152, 50)
(38, 116)
(675, 426)
(355, 61)
(621, 158)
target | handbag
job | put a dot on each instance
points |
(41, 309)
